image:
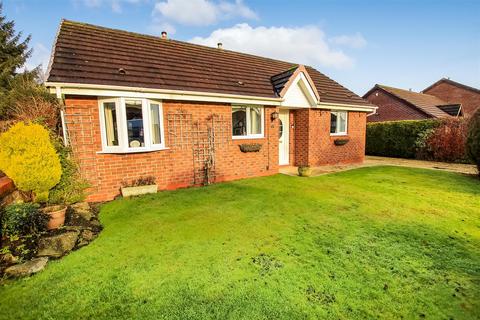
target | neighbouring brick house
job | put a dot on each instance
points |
(454, 92)
(138, 105)
(397, 104)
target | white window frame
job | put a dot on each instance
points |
(339, 133)
(262, 122)
(122, 129)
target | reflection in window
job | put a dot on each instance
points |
(111, 134)
(133, 109)
(247, 121)
(239, 121)
(155, 123)
(338, 122)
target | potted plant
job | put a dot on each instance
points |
(139, 186)
(56, 214)
(304, 171)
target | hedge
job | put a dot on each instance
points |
(397, 138)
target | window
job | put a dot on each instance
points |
(247, 122)
(338, 122)
(131, 125)
(136, 135)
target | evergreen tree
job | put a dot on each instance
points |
(13, 54)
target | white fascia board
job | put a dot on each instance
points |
(163, 94)
(347, 107)
(160, 94)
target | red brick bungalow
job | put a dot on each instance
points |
(396, 104)
(454, 92)
(138, 105)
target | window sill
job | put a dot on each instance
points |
(132, 151)
(343, 134)
(247, 137)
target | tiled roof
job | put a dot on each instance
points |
(89, 54)
(454, 83)
(280, 80)
(427, 103)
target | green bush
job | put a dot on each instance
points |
(71, 188)
(23, 219)
(397, 138)
(473, 139)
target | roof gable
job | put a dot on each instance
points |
(426, 103)
(453, 83)
(91, 55)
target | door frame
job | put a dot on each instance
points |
(285, 145)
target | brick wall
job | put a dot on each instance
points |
(391, 108)
(172, 168)
(454, 94)
(314, 144)
(310, 143)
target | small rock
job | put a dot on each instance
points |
(83, 210)
(14, 197)
(77, 229)
(87, 235)
(27, 268)
(9, 259)
(95, 223)
(57, 246)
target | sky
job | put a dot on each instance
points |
(405, 44)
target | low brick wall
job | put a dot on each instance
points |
(6, 186)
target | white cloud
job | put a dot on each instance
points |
(305, 45)
(201, 12)
(158, 26)
(115, 5)
(355, 41)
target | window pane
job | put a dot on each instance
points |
(239, 121)
(342, 122)
(133, 109)
(110, 113)
(333, 122)
(255, 121)
(155, 124)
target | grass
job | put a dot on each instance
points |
(383, 242)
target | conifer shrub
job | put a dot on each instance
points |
(28, 157)
(473, 139)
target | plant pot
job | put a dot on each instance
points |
(139, 190)
(57, 216)
(340, 142)
(304, 171)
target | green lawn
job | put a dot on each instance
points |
(381, 242)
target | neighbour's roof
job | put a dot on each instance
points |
(88, 54)
(454, 83)
(424, 102)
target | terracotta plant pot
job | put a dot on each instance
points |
(57, 216)
(304, 171)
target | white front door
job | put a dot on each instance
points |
(283, 137)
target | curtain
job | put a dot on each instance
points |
(255, 121)
(109, 125)
(155, 123)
